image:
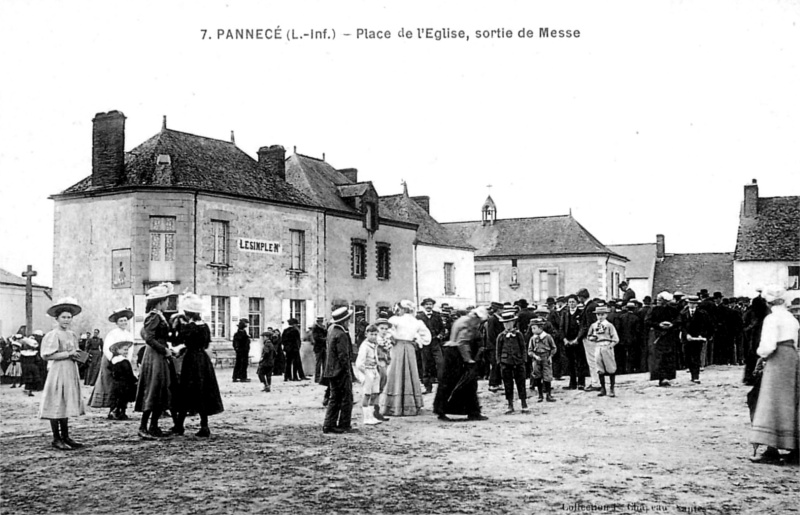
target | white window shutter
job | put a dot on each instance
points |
(495, 287)
(284, 313)
(206, 315)
(311, 316)
(234, 301)
(139, 305)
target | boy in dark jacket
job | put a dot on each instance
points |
(510, 352)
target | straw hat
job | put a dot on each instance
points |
(773, 293)
(119, 313)
(161, 291)
(341, 314)
(68, 304)
(192, 303)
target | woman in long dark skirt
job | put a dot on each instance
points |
(753, 322)
(199, 391)
(157, 378)
(457, 392)
(664, 338)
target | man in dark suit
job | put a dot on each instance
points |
(587, 320)
(570, 332)
(696, 328)
(628, 294)
(241, 344)
(493, 329)
(432, 358)
(338, 373)
(290, 340)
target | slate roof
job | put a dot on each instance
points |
(541, 236)
(402, 207)
(199, 163)
(642, 258)
(318, 180)
(773, 234)
(689, 273)
(7, 277)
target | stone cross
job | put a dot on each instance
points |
(28, 275)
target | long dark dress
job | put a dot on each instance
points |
(95, 349)
(199, 391)
(157, 379)
(663, 343)
(753, 322)
(457, 393)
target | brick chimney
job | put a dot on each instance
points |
(272, 160)
(750, 209)
(660, 246)
(108, 149)
(350, 173)
(424, 202)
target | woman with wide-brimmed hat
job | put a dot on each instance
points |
(101, 394)
(157, 377)
(198, 388)
(403, 390)
(776, 420)
(61, 396)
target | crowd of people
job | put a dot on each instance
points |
(403, 353)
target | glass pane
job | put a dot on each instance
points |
(155, 247)
(169, 247)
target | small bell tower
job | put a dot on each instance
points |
(488, 211)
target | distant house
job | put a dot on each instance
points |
(12, 304)
(537, 258)
(641, 267)
(444, 266)
(768, 243)
(689, 273)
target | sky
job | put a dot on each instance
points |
(651, 122)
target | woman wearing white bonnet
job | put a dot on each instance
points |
(776, 420)
(403, 390)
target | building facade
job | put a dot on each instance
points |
(537, 258)
(768, 244)
(12, 305)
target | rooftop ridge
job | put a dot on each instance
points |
(509, 219)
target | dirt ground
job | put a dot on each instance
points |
(682, 449)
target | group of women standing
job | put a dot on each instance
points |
(160, 387)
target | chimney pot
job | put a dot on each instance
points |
(750, 207)
(660, 249)
(233, 140)
(350, 173)
(272, 160)
(108, 149)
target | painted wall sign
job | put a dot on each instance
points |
(259, 246)
(121, 268)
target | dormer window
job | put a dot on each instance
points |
(370, 216)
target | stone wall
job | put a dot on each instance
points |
(430, 275)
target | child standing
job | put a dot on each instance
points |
(367, 368)
(62, 397)
(29, 357)
(123, 387)
(267, 362)
(542, 348)
(14, 370)
(384, 358)
(511, 357)
(605, 335)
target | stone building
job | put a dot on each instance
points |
(444, 265)
(768, 243)
(536, 258)
(204, 215)
(368, 254)
(691, 272)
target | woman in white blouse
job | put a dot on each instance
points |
(776, 421)
(101, 394)
(403, 389)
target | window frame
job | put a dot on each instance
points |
(300, 256)
(220, 250)
(362, 262)
(488, 293)
(449, 279)
(255, 316)
(795, 285)
(383, 261)
(219, 317)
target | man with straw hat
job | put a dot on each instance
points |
(338, 373)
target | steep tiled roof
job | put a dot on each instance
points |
(642, 258)
(773, 234)
(318, 180)
(550, 235)
(402, 207)
(200, 163)
(690, 273)
(7, 277)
